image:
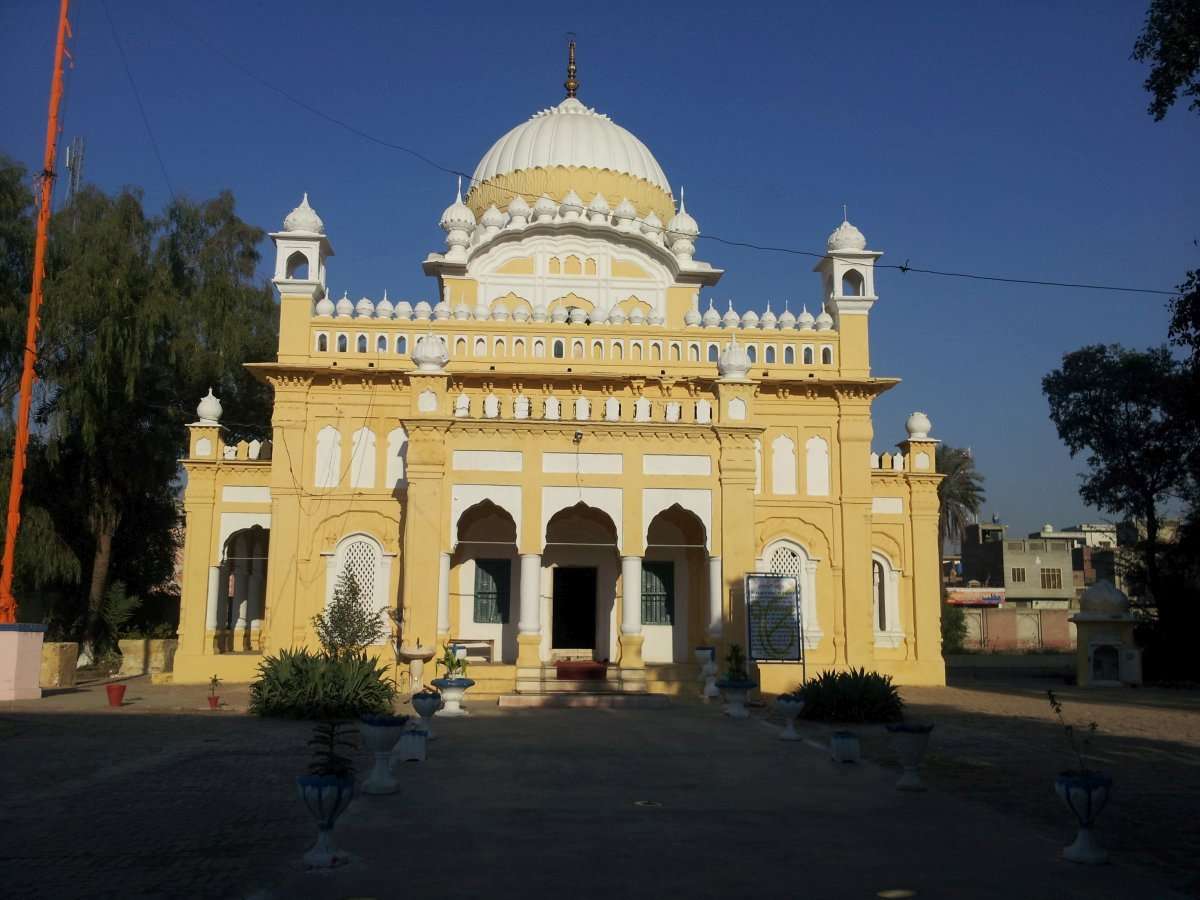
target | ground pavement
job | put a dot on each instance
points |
(161, 798)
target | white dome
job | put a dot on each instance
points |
(768, 320)
(787, 319)
(918, 427)
(846, 237)
(384, 308)
(682, 223)
(805, 320)
(824, 321)
(711, 317)
(304, 219)
(570, 134)
(734, 362)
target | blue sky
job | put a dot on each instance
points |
(998, 138)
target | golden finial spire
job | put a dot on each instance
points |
(572, 83)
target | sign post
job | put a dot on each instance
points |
(774, 619)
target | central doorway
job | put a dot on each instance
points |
(574, 608)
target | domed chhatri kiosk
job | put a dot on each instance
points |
(1106, 653)
(571, 450)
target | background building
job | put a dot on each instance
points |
(1036, 572)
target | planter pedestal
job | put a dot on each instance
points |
(381, 734)
(326, 798)
(706, 657)
(426, 705)
(844, 747)
(412, 744)
(452, 690)
(735, 694)
(910, 742)
(790, 710)
(1085, 794)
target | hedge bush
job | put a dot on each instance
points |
(854, 696)
(298, 684)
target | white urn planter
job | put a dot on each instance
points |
(910, 740)
(426, 705)
(412, 744)
(452, 690)
(790, 707)
(380, 734)
(844, 747)
(706, 658)
(736, 691)
(326, 797)
(1085, 794)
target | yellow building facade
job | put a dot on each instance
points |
(569, 452)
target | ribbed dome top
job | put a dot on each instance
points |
(571, 134)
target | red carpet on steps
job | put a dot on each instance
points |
(581, 670)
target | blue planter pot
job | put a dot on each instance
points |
(326, 797)
(1085, 794)
(381, 734)
(735, 691)
(452, 690)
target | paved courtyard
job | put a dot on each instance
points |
(161, 799)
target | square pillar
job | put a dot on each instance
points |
(443, 607)
(529, 625)
(631, 637)
(716, 618)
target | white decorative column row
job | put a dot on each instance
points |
(530, 621)
(631, 595)
(716, 618)
(443, 608)
(212, 610)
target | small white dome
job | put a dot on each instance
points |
(364, 308)
(768, 320)
(711, 317)
(656, 318)
(384, 308)
(422, 310)
(824, 321)
(625, 214)
(750, 319)
(559, 315)
(481, 312)
(846, 237)
(918, 426)
(325, 307)
(492, 218)
(458, 216)
(578, 315)
(518, 211)
(731, 319)
(787, 320)
(571, 206)
(345, 306)
(652, 225)
(637, 316)
(304, 219)
(500, 312)
(734, 362)
(616, 316)
(430, 353)
(598, 209)
(539, 312)
(805, 321)
(209, 409)
(1104, 598)
(521, 313)
(691, 318)
(545, 208)
(681, 223)
(441, 311)
(462, 312)
(404, 310)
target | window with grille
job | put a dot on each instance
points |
(1018, 575)
(786, 562)
(658, 593)
(1052, 579)
(360, 564)
(492, 580)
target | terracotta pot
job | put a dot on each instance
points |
(116, 694)
(214, 702)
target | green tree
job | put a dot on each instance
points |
(17, 225)
(1122, 408)
(960, 493)
(346, 627)
(1170, 43)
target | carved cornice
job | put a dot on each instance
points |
(600, 431)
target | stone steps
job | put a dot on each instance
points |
(583, 701)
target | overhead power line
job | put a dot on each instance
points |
(903, 268)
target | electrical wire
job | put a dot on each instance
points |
(162, 166)
(903, 268)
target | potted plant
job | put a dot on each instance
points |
(706, 658)
(790, 706)
(327, 789)
(1084, 790)
(214, 702)
(910, 740)
(735, 684)
(454, 685)
(116, 694)
(426, 702)
(381, 733)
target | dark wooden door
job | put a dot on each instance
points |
(574, 626)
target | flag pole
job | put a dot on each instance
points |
(8, 603)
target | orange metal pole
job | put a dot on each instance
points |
(8, 603)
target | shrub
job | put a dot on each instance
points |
(329, 738)
(345, 627)
(954, 628)
(854, 696)
(298, 684)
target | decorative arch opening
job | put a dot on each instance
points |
(360, 557)
(752, 353)
(480, 346)
(460, 347)
(297, 266)
(789, 356)
(402, 344)
(808, 356)
(827, 356)
(786, 556)
(328, 463)
(343, 343)
(852, 283)
(484, 562)
(381, 343)
(242, 589)
(885, 601)
(769, 356)
(694, 353)
(361, 344)
(560, 349)
(322, 343)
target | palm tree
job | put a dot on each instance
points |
(960, 493)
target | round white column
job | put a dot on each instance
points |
(716, 618)
(443, 609)
(631, 595)
(214, 598)
(530, 621)
(241, 582)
